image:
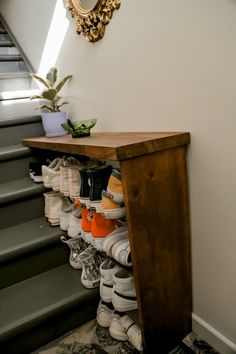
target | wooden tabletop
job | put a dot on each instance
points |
(111, 146)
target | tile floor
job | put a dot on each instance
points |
(93, 339)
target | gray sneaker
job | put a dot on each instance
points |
(91, 260)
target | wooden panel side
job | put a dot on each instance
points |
(156, 197)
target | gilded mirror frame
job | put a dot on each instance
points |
(91, 22)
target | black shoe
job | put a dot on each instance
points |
(84, 188)
(98, 181)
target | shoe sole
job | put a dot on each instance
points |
(113, 213)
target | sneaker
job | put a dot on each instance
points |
(100, 228)
(124, 294)
(54, 205)
(64, 175)
(120, 233)
(84, 188)
(111, 209)
(75, 177)
(116, 329)
(46, 199)
(107, 269)
(104, 314)
(86, 225)
(91, 261)
(115, 188)
(74, 228)
(67, 208)
(133, 332)
(51, 174)
(35, 172)
(98, 181)
(76, 247)
(121, 252)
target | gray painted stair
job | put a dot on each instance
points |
(43, 300)
(29, 249)
(41, 296)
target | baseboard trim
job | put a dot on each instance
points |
(217, 340)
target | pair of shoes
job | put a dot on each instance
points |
(112, 203)
(65, 182)
(117, 246)
(93, 181)
(91, 260)
(53, 204)
(64, 213)
(94, 228)
(121, 326)
(51, 174)
(74, 227)
(76, 245)
(117, 286)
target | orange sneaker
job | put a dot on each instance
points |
(115, 187)
(86, 225)
(111, 209)
(101, 227)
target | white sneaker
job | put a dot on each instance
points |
(124, 294)
(66, 210)
(54, 204)
(76, 247)
(64, 175)
(121, 233)
(133, 332)
(51, 174)
(104, 315)
(121, 252)
(46, 198)
(74, 228)
(107, 269)
(116, 329)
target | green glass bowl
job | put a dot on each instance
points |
(79, 128)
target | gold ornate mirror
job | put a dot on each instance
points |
(92, 16)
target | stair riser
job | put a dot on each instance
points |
(14, 169)
(4, 37)
(8, 50)
(14, 84)
(32, 264)
(14, 134)
(21, 211)
(10, 67)
(17, 107)
(50, 329)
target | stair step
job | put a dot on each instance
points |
(13, 57)
(29, 249)
(14, 151)
(6, 43)
(12, 65)
(27, 237)
(14, 75)
(18, 94)
(3, 31)
(32, 302)
(19, 107)
(13, 129)
(21, 210)
(19, 189)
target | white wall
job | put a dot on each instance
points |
(165, 66)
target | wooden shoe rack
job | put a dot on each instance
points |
(154, 175)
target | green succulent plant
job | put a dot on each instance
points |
(51, 92)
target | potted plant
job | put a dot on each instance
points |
(52, 117)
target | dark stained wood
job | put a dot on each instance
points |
(153, 168)
(111, 146)
(156, 198)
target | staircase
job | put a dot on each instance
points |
(41, 296)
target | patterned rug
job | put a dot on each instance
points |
(93, 339)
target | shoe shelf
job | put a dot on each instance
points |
(155, 182)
